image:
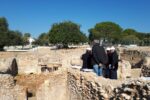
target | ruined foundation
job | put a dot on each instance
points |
(43, 77)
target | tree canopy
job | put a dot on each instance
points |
(108, 30)
(129, 36)
(15, 38)
(66, 33)
(25, 38)
(3, 32)
(9, 37)
(42, 39)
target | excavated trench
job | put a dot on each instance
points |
(70, 84)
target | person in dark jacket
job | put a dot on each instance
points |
(113, 61)
(86, 57)
(106, 70)
(99, 58)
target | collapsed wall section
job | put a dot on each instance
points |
(133, 90)
(134, 55)
(54, 88)
(85, 86)
(9, 90)
(145, 70)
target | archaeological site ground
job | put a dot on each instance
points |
(45, 74)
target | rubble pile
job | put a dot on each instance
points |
(87, 86)
(9, 90)
(59, 81)
(134, 55)
(133, 90)
(145, 71)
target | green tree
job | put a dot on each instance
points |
(130, 39)
(130, 36)
(27, 34)
(83, 38)
(108, 30)
(15, 38)
(65, 33)
(42, 39)
(3, 33)
(25, 38)
(129, 32)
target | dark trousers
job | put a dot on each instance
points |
(113, 74)
(106, 72)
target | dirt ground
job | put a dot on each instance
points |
(32, 81)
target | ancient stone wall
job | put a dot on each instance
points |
(133, 90)
(9, 90)
(8, 66)
(134, 56)
(145, 70)
(54, 88)
(85, 86)
(66, 83)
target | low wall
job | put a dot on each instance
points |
(9, 90)
(87, 86)
(135, 56)
(145, 70)
(8, 66)
(72, 84)
(133, 90)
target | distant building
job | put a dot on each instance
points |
(31, 40)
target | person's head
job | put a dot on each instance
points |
(108, 49)
(95, 41)
(88, 50)
(112, 49)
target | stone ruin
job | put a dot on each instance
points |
(145, 71)
(8, 66)
(135, 56)
(9, 90)
(44, 78)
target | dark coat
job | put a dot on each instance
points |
(113, 60)
(99, 55)
(87, 60)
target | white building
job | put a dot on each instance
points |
(31, 40)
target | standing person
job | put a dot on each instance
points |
(99, 57)
(86, 58)
(106, 70)
(113, 63)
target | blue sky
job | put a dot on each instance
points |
(37, 16)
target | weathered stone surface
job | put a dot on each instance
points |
(145, 70)
(134, 89)
(124, 69)
(8, 89)
(8, 66)
(27, 64)
(55, 88)
(87, 86)
(68, 84)
(76, 62)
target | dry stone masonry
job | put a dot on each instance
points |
(8, 66)
(134, 55)
(133, 90)
(47, 75)
(145, 71)
(9, 90)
